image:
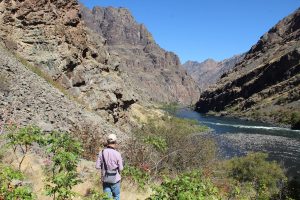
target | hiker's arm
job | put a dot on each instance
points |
(120, 163)
(99, 161)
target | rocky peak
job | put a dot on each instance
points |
(209, 61)
(209, 71)
(153, 73)
(116, 25)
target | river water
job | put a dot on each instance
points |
(236, 137)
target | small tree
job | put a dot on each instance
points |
(23, 138)
(62, 174)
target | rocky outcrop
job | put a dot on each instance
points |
(265, 85)
(26, 98)
(209, 71)
(153, 73)
(52, 36)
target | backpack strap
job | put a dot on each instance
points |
(104, 163)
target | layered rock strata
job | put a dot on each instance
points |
(26, 98)
(52, 36)
(153, 73)
(265, 85)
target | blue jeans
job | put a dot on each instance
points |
(112, 189)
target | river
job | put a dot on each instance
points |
(236, 137)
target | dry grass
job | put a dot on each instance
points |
(32, 167)
(141, 114)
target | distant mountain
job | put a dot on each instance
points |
(153, 73)
(265, 85)
(209, 71)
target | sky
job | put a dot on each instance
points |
(201, 29)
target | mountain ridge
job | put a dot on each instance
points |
(265, 84)
(207, 73)
(156, 74)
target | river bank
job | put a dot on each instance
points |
(236, 137)
(252, 118)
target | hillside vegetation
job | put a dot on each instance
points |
(150, 162)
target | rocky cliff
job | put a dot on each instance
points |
(265, 85)
(26, 98)
(209, 71)
(52, 36)
(92, 67)
(153, 73)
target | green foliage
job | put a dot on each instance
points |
(94, 195)
(138, 175)
(9, 191)
(23, 138)
(62, 174)
(173, 126)
(171, 108)
(189, 186)
(157, 142)
(295, 120)
(170, 144)
(265, 177)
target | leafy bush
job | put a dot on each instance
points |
(189, 186)
(171, 108)
(295, 120)
(62, 174)
(138, 175)
(170, 144)
(8, 190)
(265, 177)
(157, 142)
(94, 195)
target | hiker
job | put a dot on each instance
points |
(111, 164)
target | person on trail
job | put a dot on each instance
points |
(110, 162)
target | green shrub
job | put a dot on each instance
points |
(94, 195)
(170, 144)
(157, 142)
(171, 108)
(137, 175)
(189, 186)
(9, 191)
(62, 174)
(265, 177)
(295, 120)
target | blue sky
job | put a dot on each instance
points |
(201, 29)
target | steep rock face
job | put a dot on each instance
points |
(154, 73)
(26, 98)
(266, 83)
(209, 71)
(52, 36)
